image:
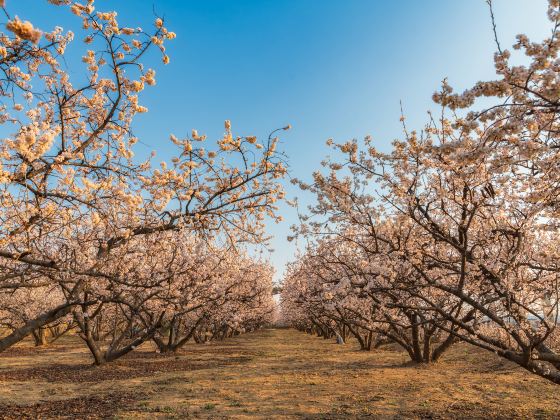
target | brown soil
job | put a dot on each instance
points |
(268, 374)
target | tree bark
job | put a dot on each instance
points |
(45, 318)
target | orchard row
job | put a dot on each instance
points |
(451, 236)
(100, 242)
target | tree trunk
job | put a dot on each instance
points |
(40, 337)
(45, 318)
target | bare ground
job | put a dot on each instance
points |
(268, 374)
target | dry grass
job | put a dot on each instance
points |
(268, 374)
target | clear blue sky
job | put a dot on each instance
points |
(331, 68)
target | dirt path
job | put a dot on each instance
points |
(269, 374)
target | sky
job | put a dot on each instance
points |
(331, 68)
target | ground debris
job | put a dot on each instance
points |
(89, 407)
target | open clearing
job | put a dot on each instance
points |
(272, 373)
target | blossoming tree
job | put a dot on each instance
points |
(477, 195)
(73, 196)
